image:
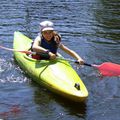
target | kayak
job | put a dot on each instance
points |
(58, 75)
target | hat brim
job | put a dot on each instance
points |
(47, 28)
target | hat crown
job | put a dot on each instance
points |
(46, 24)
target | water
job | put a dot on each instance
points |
(91, 28)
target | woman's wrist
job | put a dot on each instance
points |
(47, 51)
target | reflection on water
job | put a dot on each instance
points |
(48, 103)
(107, 16)
(91, 28)
(105, 41)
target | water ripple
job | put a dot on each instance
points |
(91, 28)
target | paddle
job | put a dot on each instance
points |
(105, 69)
(44, 56)
(22, 51)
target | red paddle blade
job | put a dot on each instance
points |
(109, 69)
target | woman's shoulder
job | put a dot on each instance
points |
(38, 37)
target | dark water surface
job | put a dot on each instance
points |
(91, 28)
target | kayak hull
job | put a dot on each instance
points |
(56, 75)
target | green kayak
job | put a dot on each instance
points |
(56, 75)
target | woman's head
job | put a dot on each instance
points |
(47, 29)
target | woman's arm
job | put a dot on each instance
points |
(71, 53)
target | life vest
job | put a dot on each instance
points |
(52, 46)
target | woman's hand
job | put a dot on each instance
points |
(57, 39)
(80, 61)
(52, 56)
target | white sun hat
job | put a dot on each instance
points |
(46, 25)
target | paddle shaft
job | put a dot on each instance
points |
(22, 51)
(106, 69)
(71, 60)
(34, 53)
(44, 56)
(84, 64)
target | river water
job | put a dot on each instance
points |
(89, 27)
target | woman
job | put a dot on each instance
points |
(49, 41)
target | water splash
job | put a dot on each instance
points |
(13, 79)
(10, 73)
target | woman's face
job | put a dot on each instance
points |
(48, 34)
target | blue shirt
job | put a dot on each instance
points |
(51, 45)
